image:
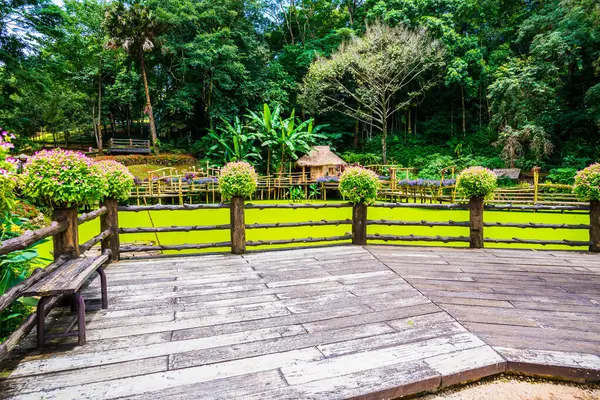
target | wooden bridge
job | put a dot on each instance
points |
(358, 319)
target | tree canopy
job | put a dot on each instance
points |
(523, 75)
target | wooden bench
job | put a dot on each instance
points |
(66, 281)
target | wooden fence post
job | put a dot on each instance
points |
(68, 240)
(110, 221)
(359, 224)
(536, 183)
(476, 222)
(238, 226)
(595, 226)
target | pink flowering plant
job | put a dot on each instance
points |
(237, 179)
(359, 185)
(8, 166)
(476, 182)
(587, 183)
(61, 179)
(118, 179)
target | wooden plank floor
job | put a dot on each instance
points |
(330, 323)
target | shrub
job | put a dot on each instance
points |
(562, 176)
(168, 160)
(359, 185)
(59, 178)
(118, 179)
(476, 182)
(237, 179)
(587, 183)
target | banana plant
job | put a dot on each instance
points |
(290, 136)
(266, 127)
(234, 142)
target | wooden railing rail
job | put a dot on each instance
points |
(92, 215)
(31, 237)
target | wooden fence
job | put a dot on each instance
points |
(359, 223)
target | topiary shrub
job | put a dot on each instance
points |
(118, 179)
(237, 179)
(587, 183)
(476, 182)
(359, 185)
(62, 179)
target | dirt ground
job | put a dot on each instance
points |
(515, 388)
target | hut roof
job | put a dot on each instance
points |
(320, 156)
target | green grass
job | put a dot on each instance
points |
(221, 216)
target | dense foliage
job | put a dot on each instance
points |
(61, 179)
(359, 185)
(587, 183)
(524, 76)
(119, 180)
(237, 179)
(476, 182)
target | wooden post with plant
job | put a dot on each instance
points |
(67, 241)
(238, 226)
(110, 221)
(359, 224)
(476, 222)
(237, 181)
(587, 188)
(119, 183)
(359, 186)
(476, 184)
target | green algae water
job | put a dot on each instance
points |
(221, 216)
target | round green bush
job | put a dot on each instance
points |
(61, 179)
(237, 179)
(587, 183)
(118, 179)
(476, 182)
(359, 185)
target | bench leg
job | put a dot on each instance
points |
(41, 323)
(103, 287)
(80, 318)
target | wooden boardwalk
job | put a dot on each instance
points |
(330, 323)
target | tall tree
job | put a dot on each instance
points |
(133, 27)
(372, 77)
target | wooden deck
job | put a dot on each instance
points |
(330, 323)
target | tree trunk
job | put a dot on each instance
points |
(384, 141)
(148, 110)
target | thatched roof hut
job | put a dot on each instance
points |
(322, 162)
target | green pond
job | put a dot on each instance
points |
(221, 216)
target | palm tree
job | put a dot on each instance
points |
(133, 28)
